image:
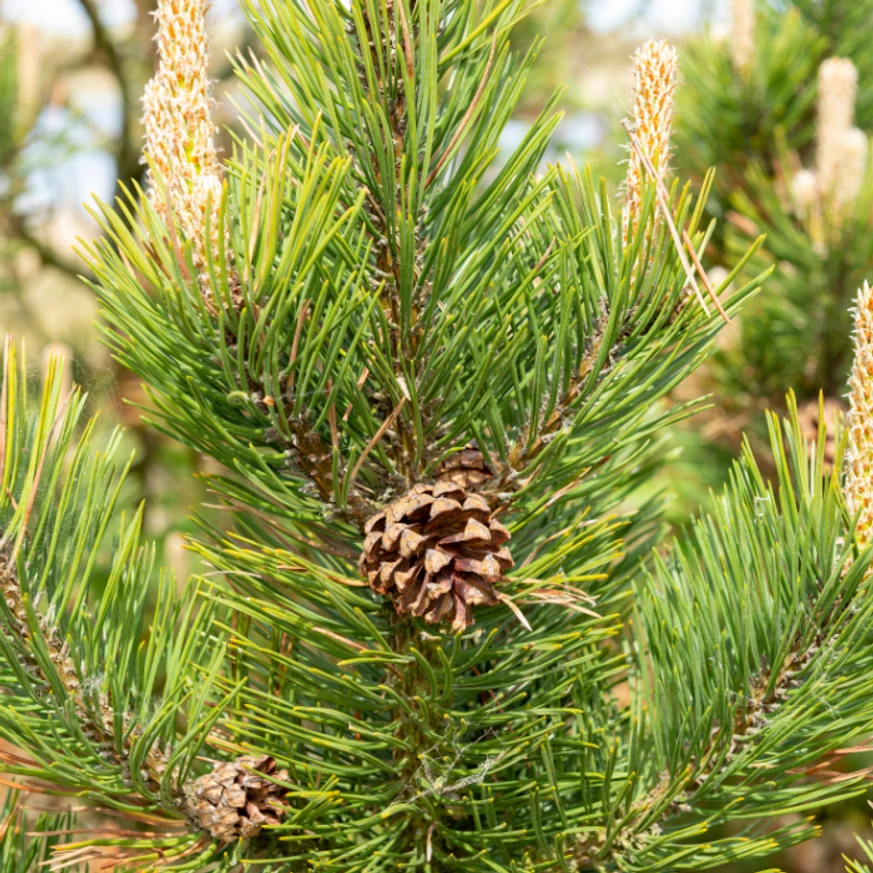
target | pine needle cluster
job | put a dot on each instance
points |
(433, 633)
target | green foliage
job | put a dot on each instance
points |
(857, 866)
(392, 284)
(454, 341)
(758, 129)
(19, 852)
(797, 335)
(731, 121)
(842, 25)
(757, 653)
(727, 120)
(79, 684)
(394, 293)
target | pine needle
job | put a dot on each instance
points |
(663, 202)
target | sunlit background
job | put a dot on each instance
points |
(86, 109)
(79, 73)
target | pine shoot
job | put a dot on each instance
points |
(179, 129)
(655, 69)
(742, 39)
(859, 451)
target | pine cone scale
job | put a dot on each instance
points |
(474, 533)
(436, 559)
(410, 542)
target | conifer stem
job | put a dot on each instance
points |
(764, 699)
(415, 725)
(404, 340)
(99, 730)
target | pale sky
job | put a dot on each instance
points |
(63, 16)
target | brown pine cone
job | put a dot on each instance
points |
(466, 468)
(437, 552)
(234, 801)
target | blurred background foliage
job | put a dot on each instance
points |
(71, 76)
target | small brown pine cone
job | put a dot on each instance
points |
(466, 468)
(437, 552)
(235, 801)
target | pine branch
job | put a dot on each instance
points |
(97, 725)
(675, 796)
(758, 699)
(435, 380)
(79, 687)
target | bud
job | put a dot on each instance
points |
(804, 192)
(837, 86)
(655, 69)
(179, 130)
(742, 44)
(859, 451)
(852, 168)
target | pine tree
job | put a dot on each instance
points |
(433, 634)
(782, 109)
(818, 211)
(758, 83)
(757, 86)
